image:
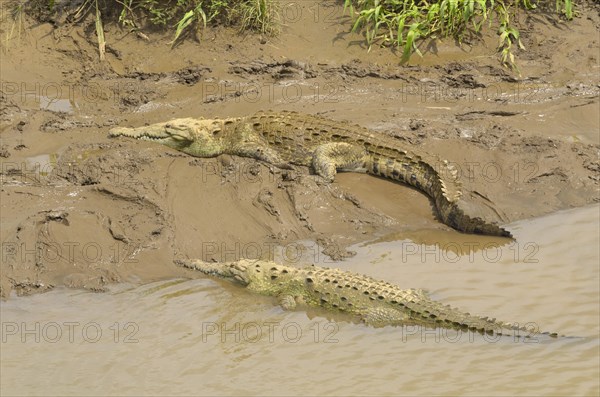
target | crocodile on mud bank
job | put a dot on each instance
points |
(375, 302)
(284, 138)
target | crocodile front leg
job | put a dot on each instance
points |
(248, 143)
(287, 302)
(330, 157)
(259, 152)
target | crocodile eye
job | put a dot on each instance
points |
(284, 271)
(273, 277)
(273, 268)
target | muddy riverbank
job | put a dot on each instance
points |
(81, 210)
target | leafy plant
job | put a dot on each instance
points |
(197, 14)
(508, 36)
(403, 22)
(565, 7)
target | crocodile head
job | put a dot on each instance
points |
(264, 277)
(235, 271)
(197, 137)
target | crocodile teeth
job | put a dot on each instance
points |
(151, 138)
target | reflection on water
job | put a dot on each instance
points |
(207, 337)
(57, 105)
(42, 164)
(453, 245)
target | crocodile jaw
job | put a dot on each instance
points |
(176, 134)
(197, 137)
(234, 271)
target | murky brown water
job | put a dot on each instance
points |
(206, 337)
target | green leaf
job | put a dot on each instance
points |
(100, 33)
(182, 24)
(412, 35)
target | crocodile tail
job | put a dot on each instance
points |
(429, 312)
(442, 186)
(453, 216)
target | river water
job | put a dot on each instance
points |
(207, 337)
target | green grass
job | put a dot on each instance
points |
(260, 15)
(400, 23)
(16, 24)
(403, 22)
(182, 16)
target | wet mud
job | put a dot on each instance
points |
(84, 211)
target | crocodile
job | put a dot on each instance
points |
(289, 138)
(374, 302)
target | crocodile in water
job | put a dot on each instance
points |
(285, 138)
(375, 302)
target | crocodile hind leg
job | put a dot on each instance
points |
(328, 158)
